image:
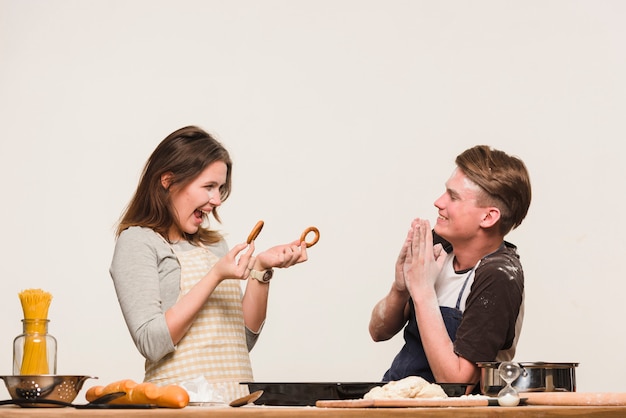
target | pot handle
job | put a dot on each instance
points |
(524, 372)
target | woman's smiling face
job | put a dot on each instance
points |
(199, 197)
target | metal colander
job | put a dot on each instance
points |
(50, 387)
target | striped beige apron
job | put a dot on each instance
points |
(215, 345)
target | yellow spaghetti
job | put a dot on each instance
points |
(35, 304)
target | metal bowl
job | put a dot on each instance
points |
(535, 377)
(31, 388)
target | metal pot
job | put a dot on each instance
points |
(535, 377)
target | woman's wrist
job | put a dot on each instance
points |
(263, 276)
(258, 266)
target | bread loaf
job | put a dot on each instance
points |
(170, 396)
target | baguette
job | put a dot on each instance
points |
(169, 396)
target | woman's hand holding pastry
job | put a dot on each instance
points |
(282, 256)
(235, 265)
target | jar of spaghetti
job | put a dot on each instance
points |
(34, 351)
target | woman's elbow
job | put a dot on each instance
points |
(153, 346)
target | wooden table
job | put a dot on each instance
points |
(255, 411)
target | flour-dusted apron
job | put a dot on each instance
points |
(215, 345)
(411, 360)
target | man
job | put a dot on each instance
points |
(459, 288)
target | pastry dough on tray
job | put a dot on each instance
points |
(408, 388)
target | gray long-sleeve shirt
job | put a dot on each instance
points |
(146, 276)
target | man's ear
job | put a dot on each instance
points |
(491, 217)
(166, 180)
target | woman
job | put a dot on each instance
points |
(177, 283)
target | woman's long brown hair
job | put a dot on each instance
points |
(183, 155)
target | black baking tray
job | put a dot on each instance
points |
(306, 394)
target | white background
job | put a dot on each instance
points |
(343, 114)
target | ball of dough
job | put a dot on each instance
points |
(376, 392)
(409, 387)
(432, 390)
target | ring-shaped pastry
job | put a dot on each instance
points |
(315, 239)
(255, 231)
